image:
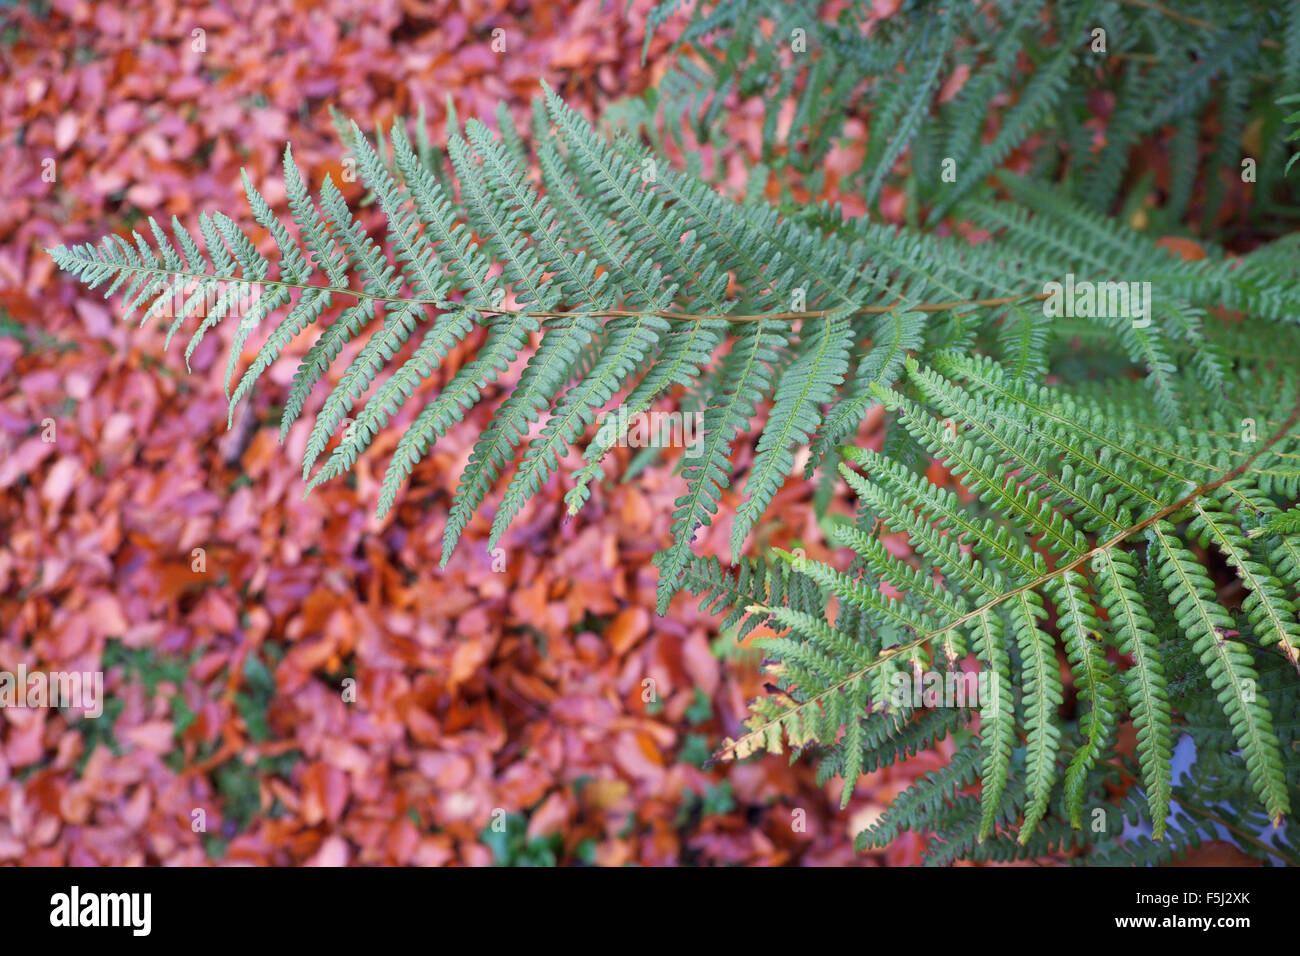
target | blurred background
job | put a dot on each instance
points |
(508, 694)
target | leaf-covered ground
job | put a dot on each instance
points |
(517, 693)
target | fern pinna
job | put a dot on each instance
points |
(1117, 507)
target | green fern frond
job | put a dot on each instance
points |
(1051, 465)
(630, 276)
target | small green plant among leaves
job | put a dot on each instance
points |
(1131, 552)
(511, 845)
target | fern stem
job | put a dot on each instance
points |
(821, 314)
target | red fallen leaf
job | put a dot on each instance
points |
(700, 664)
(333, 852)
(1182, 247)
(24, 460)
(65, 131)
(154, 736)
(455, 772)
(97, 318)
(106, 617)
(60, 481)
(422, 727)
(467, 658)
(216, 611)
(532, 688)
(735, 846)
(11, 848)
(335, 792)
(402, 841)
(614, 853)
(474, 622)
(137, 808)
(145, 195)
(634, 511)
(637, 756)
(952, 86)
(893, 204)
(23, 744)
(307, 656)
(937, 474)
(551, 817)
(434, 851)
(312, 786)
(522, 784)
(75, 804)
(629, 626)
